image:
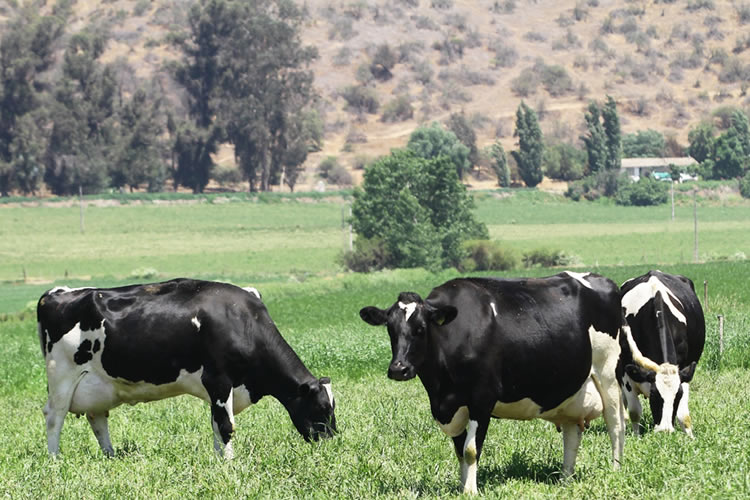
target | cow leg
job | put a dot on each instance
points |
(458, 446)
(572, 433)
(472, 449)
(57, 407)
(605, 354)
(100, 427)
(222, 415)
(633, 404)
(683, 414)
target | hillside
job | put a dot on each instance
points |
(668, 64)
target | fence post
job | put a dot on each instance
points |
(721, 334)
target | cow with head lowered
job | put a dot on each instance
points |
(107, 346)
(667, 331)
(511, 348)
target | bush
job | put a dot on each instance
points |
(398, 110)
(368, 255)
(645, 192)
(564, 162)
(326, 166)
(546, 257)
(745, 185)
(360, 99)
(525, 84)
(339, 175)
(592, 187)
(486, 255)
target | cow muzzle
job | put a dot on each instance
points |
(399, 370)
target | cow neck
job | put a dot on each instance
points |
(668, 352)
(434, 372)
(280, 372)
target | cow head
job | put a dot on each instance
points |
(409, 321)
(312, 409)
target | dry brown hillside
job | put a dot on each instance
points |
(668, 64)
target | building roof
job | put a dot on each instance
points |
(678, 161)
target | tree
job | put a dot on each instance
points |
(530, 146)
(26, 52)
(193, 147)
(643, 144)
(564, 162)
(83, 115)
(432, 141)
(459, 125)
(500, 164)
(611, 123)
(383, 62)
(595, 140)
(417, 208)
(701, 139)
(264, 82)
(729, 158)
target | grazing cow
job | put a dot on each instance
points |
(108, 346)
(659, 355)
(511, 348)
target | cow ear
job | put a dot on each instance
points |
(686, 374)
(639, 374)
(442, 315)
(373, 315)
(324, 380)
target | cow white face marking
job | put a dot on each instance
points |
(494, 310)
(252, 290)
(196, 322)
(640, 294)
(408, 308)
(580, 277)
(329, 391)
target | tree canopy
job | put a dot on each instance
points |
(530, 146)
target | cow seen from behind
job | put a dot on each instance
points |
(511, 348)
(107, 346)
(659, 355)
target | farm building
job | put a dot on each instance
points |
(636, 167)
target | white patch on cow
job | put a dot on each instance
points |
(252, 290)
(580, 277)
(683, 414)
(667, 383)
(196, 322)
(241, 399)
(642, 293)
(65, 289)
(494, 309)
(329, 391)
(224, 449)
(457, 424)
(408, 308)
(470, 458)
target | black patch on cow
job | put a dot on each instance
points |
(84, 353)
(627, 386)
(97, 346)
(49, 346)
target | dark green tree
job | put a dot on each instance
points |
(613, 134)
(417, 208)
(193, 147)
(499, 163)
(530, 146)
(26, 51)
(459, 125)
(83, 116)
(264, 82)
(138, 157)
(433, 140)
(729, 158)
(643, 144)
(564, 162)
(701, 139)
(595, 139)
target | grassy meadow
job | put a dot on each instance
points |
(388, 445)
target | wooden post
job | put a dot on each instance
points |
(80, 204)
(705, 294)
(721, 334)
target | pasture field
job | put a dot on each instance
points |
(388, 445)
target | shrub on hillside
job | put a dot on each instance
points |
(360, 99)
(486, 255)
(645, 192)
(327, 165)
(398, 110)
(525, 84)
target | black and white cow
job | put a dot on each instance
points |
(108, 346)
(511, 348)
(667, 333)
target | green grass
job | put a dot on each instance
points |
(388, 446)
